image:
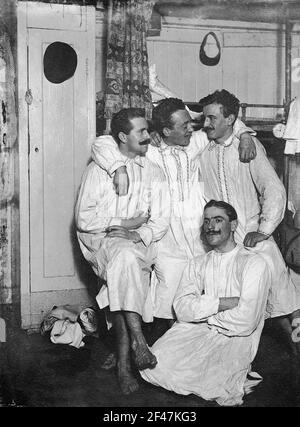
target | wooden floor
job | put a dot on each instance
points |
(37, 373)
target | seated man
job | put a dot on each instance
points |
(258, 196)
(209, 350)
(117, 236)
(178, 157)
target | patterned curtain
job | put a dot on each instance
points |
(127, 73)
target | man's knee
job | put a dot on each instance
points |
(126, 255)
(117, 249)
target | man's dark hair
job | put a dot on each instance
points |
(161, 114)
(229, 102)
(121, 121)
(230, 211)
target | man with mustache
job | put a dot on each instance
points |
(257, 194)
(220, 312)
(177, 156)
(118, 238)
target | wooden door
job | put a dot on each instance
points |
(59, 151)
(61, 126)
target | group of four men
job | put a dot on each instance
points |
(182, 232)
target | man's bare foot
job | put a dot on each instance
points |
(110, 362)
(143, 357)
(127, 382)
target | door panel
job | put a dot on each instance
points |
(59, 152)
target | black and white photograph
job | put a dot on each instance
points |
(149, 206)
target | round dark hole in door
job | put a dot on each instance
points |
(60, 62)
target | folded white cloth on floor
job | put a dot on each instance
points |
(292, 130)
(66, 332)
(62, 312)
(66, 311)
(89, 322)
(86, 319)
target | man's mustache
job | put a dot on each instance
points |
(206, 129)
(146, 142)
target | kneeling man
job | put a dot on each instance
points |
(117, 236)
(209, 350)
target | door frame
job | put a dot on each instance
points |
(27, 14)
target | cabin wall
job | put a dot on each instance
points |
(252, 61)
(252, 65)
(9, 189)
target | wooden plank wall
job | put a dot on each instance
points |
(252, 64)
(9, 210)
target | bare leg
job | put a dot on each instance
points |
(128, 383)
(142, 355)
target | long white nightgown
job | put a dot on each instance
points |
(182, 243)
(206, 353)
(123, 264)
(259, 197)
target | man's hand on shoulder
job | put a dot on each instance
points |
(155, 139)
(121, 181)
(254, 237)
(247, 149)
(123, 233)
